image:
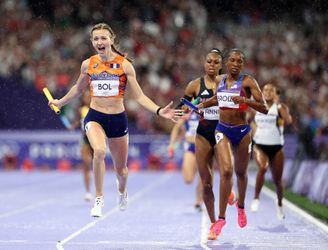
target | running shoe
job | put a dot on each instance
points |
(88, 197)
(242, 218)
(122, 198)
(280, 213)
(198, 208)
(255, 205)
(96, 210)
(232, 198)
(215, 229)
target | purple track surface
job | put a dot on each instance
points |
(40, 208)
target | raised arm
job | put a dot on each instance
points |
(284, 113)
(77, 89)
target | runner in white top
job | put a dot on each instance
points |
(268, 146)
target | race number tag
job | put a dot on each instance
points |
(105, 87)
(211, 113)
(225, 100)
(218, 137)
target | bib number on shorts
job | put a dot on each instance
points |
(218, 137)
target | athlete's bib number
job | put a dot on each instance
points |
(211, 113)
(225, 100)
(105, 87)
(218, 137)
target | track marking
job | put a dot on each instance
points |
(203, 231)
(30, 207)
(184, 244)
(155, 183)
(298, 210)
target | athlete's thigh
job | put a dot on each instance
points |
(277, 165)
(96, 136)
(204, 155)
(223, 151)
(242, 152)
(260, 157)
(118, 147)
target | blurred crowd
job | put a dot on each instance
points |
(44, 42)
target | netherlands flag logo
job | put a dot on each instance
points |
(114, 66)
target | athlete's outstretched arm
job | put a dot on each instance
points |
(77, 89)
(145, 101)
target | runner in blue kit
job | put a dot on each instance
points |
(232, 135)
(205, 88)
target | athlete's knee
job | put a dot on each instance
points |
(262, 170)
(122, 171)
(241, 174)
(188, 181)
(99, 153)
(207, 188)
(226, 173)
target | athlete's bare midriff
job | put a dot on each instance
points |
(234, 117)
(107, 105)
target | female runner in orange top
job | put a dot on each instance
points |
(107, 73)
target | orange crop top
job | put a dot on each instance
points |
(107, 79)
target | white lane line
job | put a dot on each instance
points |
(298, 210)
(184, 244)
(148, 188)
(26, 208)
(204, 230)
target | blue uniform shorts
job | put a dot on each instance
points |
(234, 133)
(188, 146)
(114, 125)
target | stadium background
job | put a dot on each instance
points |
(43, 44)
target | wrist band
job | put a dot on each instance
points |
(157, 111)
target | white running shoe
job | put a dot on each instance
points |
(88, 197)
(123, 200)
(122, 197)
(280, 213)
(255, 205)
(96, 211)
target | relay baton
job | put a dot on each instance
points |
(50, 98)
(189, 104)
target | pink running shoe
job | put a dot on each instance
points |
(242, 218)
(215, 229)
